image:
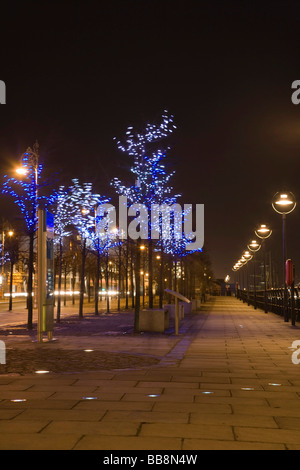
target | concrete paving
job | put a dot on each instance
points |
(227, 382)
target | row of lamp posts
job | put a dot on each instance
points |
(283, 203)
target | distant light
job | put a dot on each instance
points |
(42, 371)
(68, 292)
(207, 393)
(153, 396)
(88, 350)
(275, 385)
(16, 294)
(22, 171)
(89, 398)
(247, 388)
(18, 400)
(109, 293)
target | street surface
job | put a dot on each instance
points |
(226, 382)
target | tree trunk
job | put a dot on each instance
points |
(161, 279)
(97, 282)
(150, 279)
(11, 285)
(119, 278)
(82, 279)
(137, 287)
(107, 283)
(65, 286)
(59, 281)
(126, 278)
(131, 278)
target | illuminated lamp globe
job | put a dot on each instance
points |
(263, 231)
(254, 246)
(284, 202)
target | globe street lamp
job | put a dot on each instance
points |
(239, 264)
(284, 203)
(242, 262)
(247, 256)
(254, 246)
(264, 232)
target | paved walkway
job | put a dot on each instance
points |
(227, 382)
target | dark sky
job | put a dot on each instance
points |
(78, 73)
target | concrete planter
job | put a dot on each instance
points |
(196, 305)
(171, 310)
(156, 320)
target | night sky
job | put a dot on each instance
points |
(79, 73)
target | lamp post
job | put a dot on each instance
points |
(254, 246)
(30, 167)
(12, 255)
(243, 260)
(284, 203)
(239, 264)
(264, 232)
(85, 212)
(247, 256)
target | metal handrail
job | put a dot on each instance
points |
(272, 300)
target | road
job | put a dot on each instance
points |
(19, 311)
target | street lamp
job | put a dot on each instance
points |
(247, 256)
(30, 168)
(236, 268)
(284, 203)
(242, 262)
(254, 247)
(30, 159)
(264, 232)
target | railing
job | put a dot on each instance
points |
(274, 300)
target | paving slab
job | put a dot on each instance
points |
(226, 382)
